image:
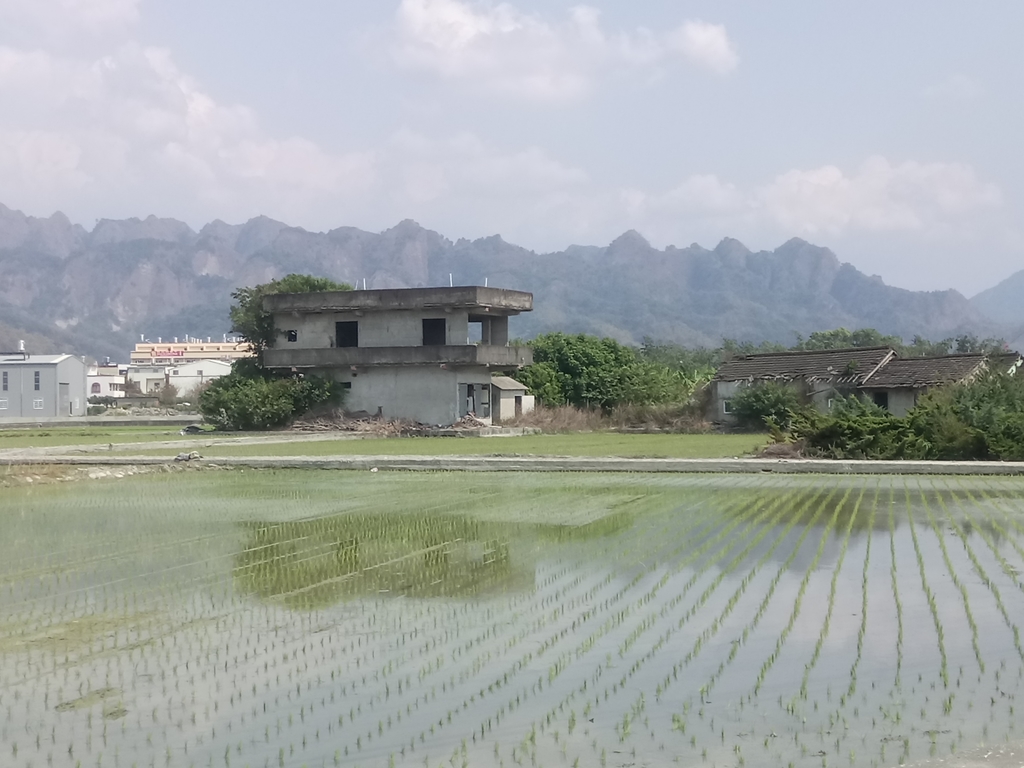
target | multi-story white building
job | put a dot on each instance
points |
(190, 351)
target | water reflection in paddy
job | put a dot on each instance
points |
(314, 618)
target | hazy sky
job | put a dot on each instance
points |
(889, 132)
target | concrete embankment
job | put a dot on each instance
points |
(548, 464)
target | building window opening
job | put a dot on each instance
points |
(346, 333)
(36, 383)
(727, 406)
(95, 388)
(435, 332)
(881, 399)
(37, 405)
(292, 336)
(3, 405)
(5, 381)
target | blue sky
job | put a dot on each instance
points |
(889, 132)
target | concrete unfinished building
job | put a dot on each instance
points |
(423, 354)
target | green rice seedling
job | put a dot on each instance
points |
(956, 581)
(770, 661)
(862, 630)
(943, 671)
(823, 634)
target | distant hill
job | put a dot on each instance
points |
(97, 292)
(1004, 302)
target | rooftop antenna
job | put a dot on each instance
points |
(364, 283)
(451, 283)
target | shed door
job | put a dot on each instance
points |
(65, 399)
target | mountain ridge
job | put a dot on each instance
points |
(96, 292)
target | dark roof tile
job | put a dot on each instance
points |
(850, 365)
(916, 372)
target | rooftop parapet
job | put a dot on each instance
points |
(493, 301)
(491, 356)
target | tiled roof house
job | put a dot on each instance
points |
(892, 382)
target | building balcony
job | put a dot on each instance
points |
(337, 357)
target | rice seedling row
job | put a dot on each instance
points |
(318, 619)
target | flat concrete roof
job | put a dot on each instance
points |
(15, 358)
(497, 301)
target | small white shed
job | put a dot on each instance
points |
(509, 399)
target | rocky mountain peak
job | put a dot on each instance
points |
(110, 231)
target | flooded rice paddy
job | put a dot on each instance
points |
(320, 619)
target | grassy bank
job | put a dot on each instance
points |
(708, 446)
(48, 437)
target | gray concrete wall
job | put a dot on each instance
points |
(901, 401)
(22, 400)
(376, 329)
(720, 392)
(75, 373)
(504, 404)
(424, 394)
(346, 357)
(497, 300)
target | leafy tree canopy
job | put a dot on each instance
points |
(257, 326)
(587, 371)
(251, 396)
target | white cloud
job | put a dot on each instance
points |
(878, 197)
(924, 200)
(499, 48)
(707, 46)
(129, 126)
(69, 23)
(468, 183)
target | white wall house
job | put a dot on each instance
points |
(188, 377)
(106, 380)
(41, 386)
(403, 353)
(185, 378)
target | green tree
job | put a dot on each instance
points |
(766, 404)
(251, 396)
(841, 338)
(587, 371)
(255, 325)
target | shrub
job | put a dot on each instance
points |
(237, 403)
(766, 404)
(168, 395)
(857, 429)
(586, 371)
